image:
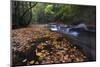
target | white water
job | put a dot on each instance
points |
(73, 33)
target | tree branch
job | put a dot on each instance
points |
(28, 10)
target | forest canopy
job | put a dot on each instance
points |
(44, 13)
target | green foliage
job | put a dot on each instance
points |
(49, 9)
(44, 13)
(48, 12)
(36, 11)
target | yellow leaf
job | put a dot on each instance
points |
(31, 62)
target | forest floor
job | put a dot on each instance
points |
(38, 45)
